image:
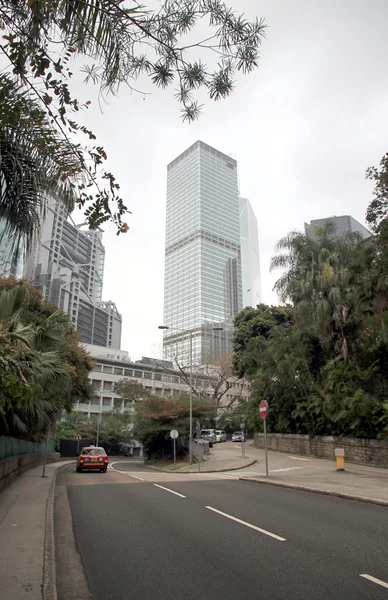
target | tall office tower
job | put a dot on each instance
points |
(67, 264)
(250, 257)
(342, 225)
(202, 280)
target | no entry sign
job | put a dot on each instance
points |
(263, 409)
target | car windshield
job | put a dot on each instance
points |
(238, 433)
(93, 451)
(206, 431)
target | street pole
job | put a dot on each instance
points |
(98, 421)
(191, 401)
(45, 453)
(265, 447)
(174, 453)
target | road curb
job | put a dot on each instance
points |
(49, 584)
(304, 488)
(252, 462)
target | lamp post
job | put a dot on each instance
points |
(191, 382)
(98, 419)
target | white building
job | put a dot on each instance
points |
(250, 256)
(67, 264)
(158, 377)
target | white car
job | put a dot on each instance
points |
(238, 436)
(220, 435)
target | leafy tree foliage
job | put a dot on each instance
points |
(40, 149)
(377, 212)
(43, 368)
(157, 416)
(323, 370)
(131, 391)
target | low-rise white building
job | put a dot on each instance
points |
(157, 376)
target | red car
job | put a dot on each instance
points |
(92, 458)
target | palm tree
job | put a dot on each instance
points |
(34, 163)
(31, 369)
(318, 281)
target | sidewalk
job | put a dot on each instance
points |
(307, 473)
(299, 472)
(26, 536)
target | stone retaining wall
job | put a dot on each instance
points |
(357, 450)
(12, 467)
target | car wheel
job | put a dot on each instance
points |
(103, 470)
(79, 470)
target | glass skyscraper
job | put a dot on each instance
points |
(202, 281)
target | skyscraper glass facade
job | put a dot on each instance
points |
(202, 286)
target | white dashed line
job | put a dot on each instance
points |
(297, 458)
(264, 531)
(128, 473)
(375, 580)
(168, 490)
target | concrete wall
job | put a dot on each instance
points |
(12, 467)
(357, 450)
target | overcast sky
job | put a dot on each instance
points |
(303, 128)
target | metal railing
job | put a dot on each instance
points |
(13, 447)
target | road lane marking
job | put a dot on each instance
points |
(285, 469)
(124, 472)
(375, 580)
(168, 490)
(264, 531)
(297, 458)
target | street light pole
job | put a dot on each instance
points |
(98, 420)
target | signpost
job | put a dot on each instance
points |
(242, 427)
(78, 438)
(174, 434)
(263, 411)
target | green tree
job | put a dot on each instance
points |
(323, 371)
(131, 391)
(157, 416)
(253, 323)
(43, 369)
(377, 212)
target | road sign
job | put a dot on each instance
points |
(174, 434)
(78, 437)
(242, 425)
(263, 409)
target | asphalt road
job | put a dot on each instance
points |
(139, 540)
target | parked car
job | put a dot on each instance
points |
(92, 458)
(238, 436)
(208, 434)
(220, 435)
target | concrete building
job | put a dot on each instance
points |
(343, 224)
(67, 264)
(202, 281)
(250, 256)
(158, 377)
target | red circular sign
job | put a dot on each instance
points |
(263, 409)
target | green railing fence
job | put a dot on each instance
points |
(13, 447)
